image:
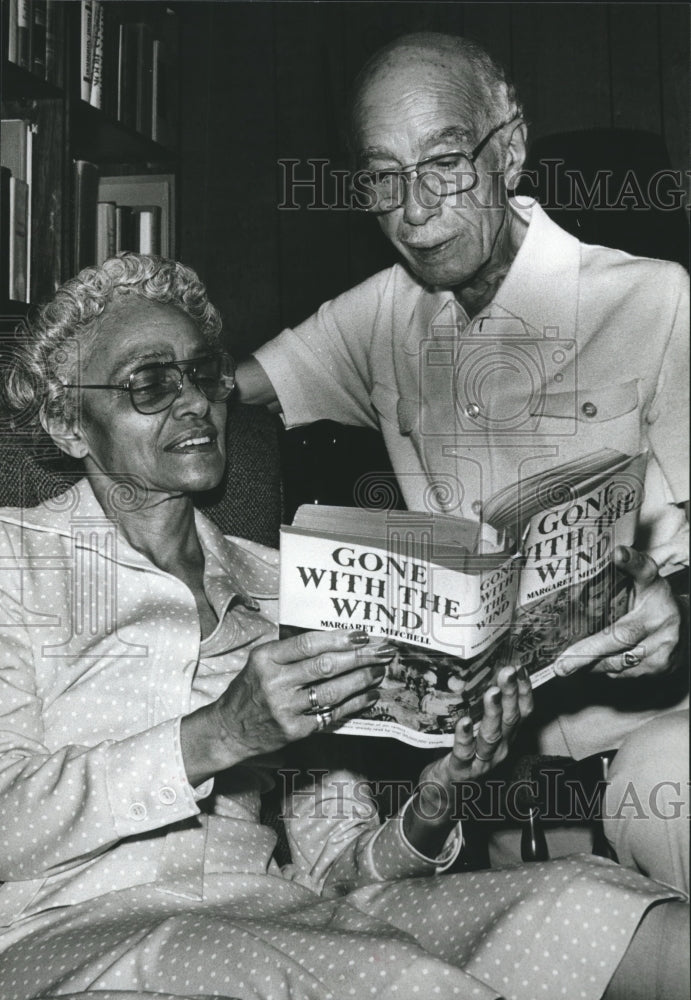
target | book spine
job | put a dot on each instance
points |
(85, 58)
(54, 42)
(144, 79)
(105, 231)
(122, 229)
(5, 178)
(24, 25)
(166, 102)
(127, 75)
(96, 94)
(85, 202)
(18, 243)
(147, 229)
(38, 41)
(110, 62)
(12, 9)
(14, 141)
(156, 80)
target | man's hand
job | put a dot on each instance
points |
(643, 640)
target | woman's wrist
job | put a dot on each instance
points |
(207, 746)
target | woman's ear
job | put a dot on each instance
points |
(67, 436)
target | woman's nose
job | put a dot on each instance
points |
(190, 398)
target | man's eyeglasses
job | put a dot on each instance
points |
(382, 191)
(155, 387)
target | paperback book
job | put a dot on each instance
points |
(460, 599)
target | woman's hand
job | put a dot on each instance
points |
(505, 707)
(641, 641)
(287, 690)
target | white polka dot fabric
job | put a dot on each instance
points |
(122, 879)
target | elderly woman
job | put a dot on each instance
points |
(143, 687)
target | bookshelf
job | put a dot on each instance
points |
(91, 83)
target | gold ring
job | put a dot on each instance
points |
(314, 701)
(324, 717)
(629, 659)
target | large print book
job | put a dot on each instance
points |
(460, 599)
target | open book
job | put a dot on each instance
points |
(460, 599)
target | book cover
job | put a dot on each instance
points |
(459, 599)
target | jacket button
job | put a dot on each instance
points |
(473, 410)
(167, 795)
(137, 811)
(476, 506)
(589, 409)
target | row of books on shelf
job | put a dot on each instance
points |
(110, 213)
(126, 67)
(16, 169)
(129, 212)
(34, 32)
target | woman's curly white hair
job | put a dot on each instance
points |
(47, 354)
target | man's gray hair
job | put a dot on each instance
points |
(497, 100)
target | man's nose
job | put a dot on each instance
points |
(419, 203)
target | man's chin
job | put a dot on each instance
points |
(440, 277)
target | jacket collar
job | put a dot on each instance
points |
(242, 571)
(540, 287)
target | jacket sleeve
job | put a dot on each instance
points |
(338, 843)
(321, 369)
(668, 414)
(59, 807)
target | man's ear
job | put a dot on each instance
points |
(515, 155)
(67, 436)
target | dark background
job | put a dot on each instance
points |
(264, 81)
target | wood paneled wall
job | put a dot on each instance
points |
(265, 81)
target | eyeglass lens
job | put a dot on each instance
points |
(155, 387)
(438, 177)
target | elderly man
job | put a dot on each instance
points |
(499, 348)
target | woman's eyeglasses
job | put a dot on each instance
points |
(155, 387)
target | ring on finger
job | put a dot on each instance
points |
(485, 760)
(324, 717)
(630, 659)
(314, 700)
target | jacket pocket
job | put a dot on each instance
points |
(590, 405)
